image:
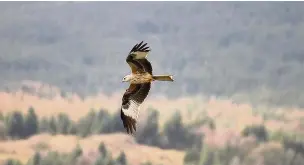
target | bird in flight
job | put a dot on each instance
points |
(140, 83)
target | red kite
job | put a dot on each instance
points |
(140, 83)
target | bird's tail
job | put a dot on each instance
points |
(163, 77)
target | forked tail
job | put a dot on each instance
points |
(163, 77)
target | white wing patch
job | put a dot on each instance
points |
(133, 110)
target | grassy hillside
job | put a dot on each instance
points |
(116, 143)
(230, 120)
(249, 50)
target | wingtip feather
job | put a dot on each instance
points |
(129, 123)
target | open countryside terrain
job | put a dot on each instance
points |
(230, 119)
(136, 153)
(238, 63)
(226, 113)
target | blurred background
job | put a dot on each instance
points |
(237, 98)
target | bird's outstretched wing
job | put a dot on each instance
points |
(137, 58)
(131, 101)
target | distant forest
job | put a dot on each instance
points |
(250, 51)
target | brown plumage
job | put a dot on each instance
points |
(140, 83)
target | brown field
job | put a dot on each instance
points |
(230, 119)
(23, 149)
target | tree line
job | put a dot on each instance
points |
(288, 150)
(175, 134)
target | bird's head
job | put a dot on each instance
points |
(127, 78)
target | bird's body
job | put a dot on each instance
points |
(140, 78)
(140, 83)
